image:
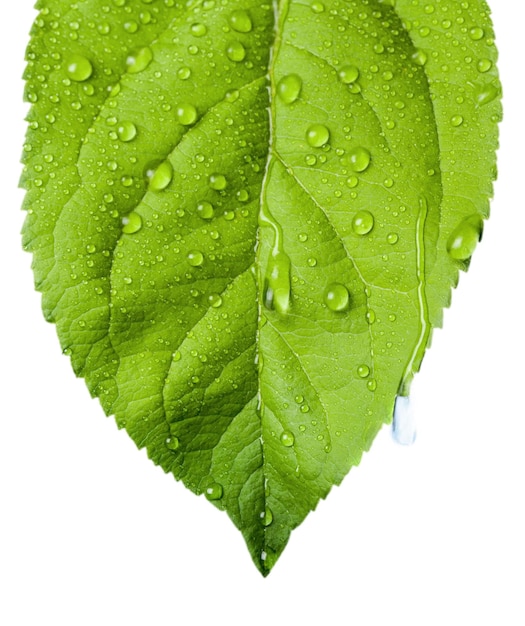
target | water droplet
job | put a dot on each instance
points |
(289, 88)
(160, 177)
(392, 238)
(198, 30)
(359, 159)
(371, 384)
(131, 26)
(337, 297)
(404, 423)
(217, 182)
(205, 210)
(476, 33)
(317, 135)
(79, 68)
(484, 65)
(420, 57)
(91, 248)
(267, 517)
(312, 261)
(240, 21)
(243, 195)
(363, 371)
(456, 120)
(348, 74)
(352, 181)
(277, 292)
(139, 60)
(235, 51)
(214, 491)
(287, 439)
(186, 114)
(126, 131)
(303, 237)
(317, 7)
(464, 238)
(486, 93)
(215, 300)
(131, 223)
(184, 73)
(172, 443)
(195, 258)
(363, 222)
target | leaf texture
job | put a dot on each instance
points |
(247, 218)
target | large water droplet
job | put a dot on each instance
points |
(214, 491)
(205, 210)
(404, 423)
(464, 238)
(363, 222)
(217, 182)
(317, 135)
(287, 438)
(195, 258)
(160, 177)
(240, 21)
(486, 93)
(139, 60)
(126, 131)
(359, 159)
(337, 297)
(235, 51)
(79, 68)
(349, 74)
(277, 294)
(131, 223)
(289, 88)
(186, 114)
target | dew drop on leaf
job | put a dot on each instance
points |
(236, 51)
(139, 60)
(337, 297)
(186, 114)
(131, 223)
(214, 491)
(240, 21)
(205, 210)
(126, 131)
(79, 68)
(317, 135)
(160, 177)
(363, 222)
(464, 238)
(289, 88)
(359, 159)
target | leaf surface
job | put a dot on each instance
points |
(247, 218)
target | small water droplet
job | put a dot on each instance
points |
(79, 68)
(126, 131)
(372, 384)
(484, 65)
(456, 120)
(337, 297)
(131, 223)
(359, 159)
(363, 222)
(240, 21)
(464, 238)
(186, 114)
(214, 491)
(317, 7)
(392, 238)
(312, 261)
(317, 135)
(287, 439)
(476, 33)
(172, 443)
(363, 371)
(266, 517)
(289, 88)
(486, 93)
(160, 177)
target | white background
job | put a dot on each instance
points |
(92, 533)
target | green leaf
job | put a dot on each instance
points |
(247, 218)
